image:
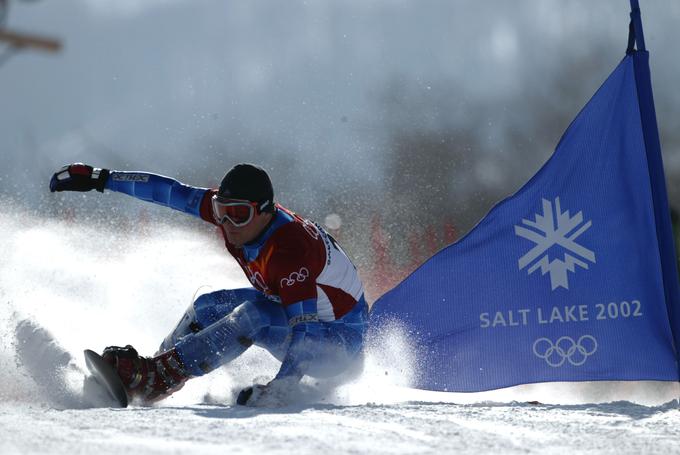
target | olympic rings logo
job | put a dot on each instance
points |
(565, 349)
(295, 277)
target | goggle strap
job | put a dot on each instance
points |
(261, 207)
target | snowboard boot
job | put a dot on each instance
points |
(147, 378)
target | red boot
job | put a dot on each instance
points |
(147, 378)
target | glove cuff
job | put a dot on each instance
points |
(102, 176)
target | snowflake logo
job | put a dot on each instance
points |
(555, 227)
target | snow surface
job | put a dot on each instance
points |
(65, 287)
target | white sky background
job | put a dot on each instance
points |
(189, 88)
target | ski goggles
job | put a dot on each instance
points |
(237, 212)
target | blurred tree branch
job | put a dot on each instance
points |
(23, 40)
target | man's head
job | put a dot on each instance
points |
(244, 204)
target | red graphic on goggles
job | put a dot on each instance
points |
(237, 212)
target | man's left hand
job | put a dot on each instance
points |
(273, 394)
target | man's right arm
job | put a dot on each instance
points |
(158, 189)
(146, 186)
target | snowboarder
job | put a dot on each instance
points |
(306, 305)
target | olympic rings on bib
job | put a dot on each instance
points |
(295, 277)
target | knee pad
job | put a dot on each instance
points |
(220, 342)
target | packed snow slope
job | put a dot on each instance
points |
(67, 285)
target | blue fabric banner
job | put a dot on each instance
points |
(572, 278)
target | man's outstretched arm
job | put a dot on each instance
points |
(142, 185)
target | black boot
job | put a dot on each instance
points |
(147, 378)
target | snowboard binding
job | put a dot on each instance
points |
(147, 379)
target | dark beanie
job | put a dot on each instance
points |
(249, 182)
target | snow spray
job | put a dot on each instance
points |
(67, 286)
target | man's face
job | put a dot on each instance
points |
(239, 236)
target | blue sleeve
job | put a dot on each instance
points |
(305, 341)
(158, 189)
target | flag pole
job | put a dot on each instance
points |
(636, 32)
(650, 131)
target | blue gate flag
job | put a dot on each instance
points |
(572, 278)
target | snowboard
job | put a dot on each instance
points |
(107, 377)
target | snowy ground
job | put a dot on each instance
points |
(64, 288)
(398, 428)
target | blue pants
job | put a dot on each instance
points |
(221, 325)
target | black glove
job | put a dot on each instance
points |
(277, 393)
(245, 395)
(79, 177)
